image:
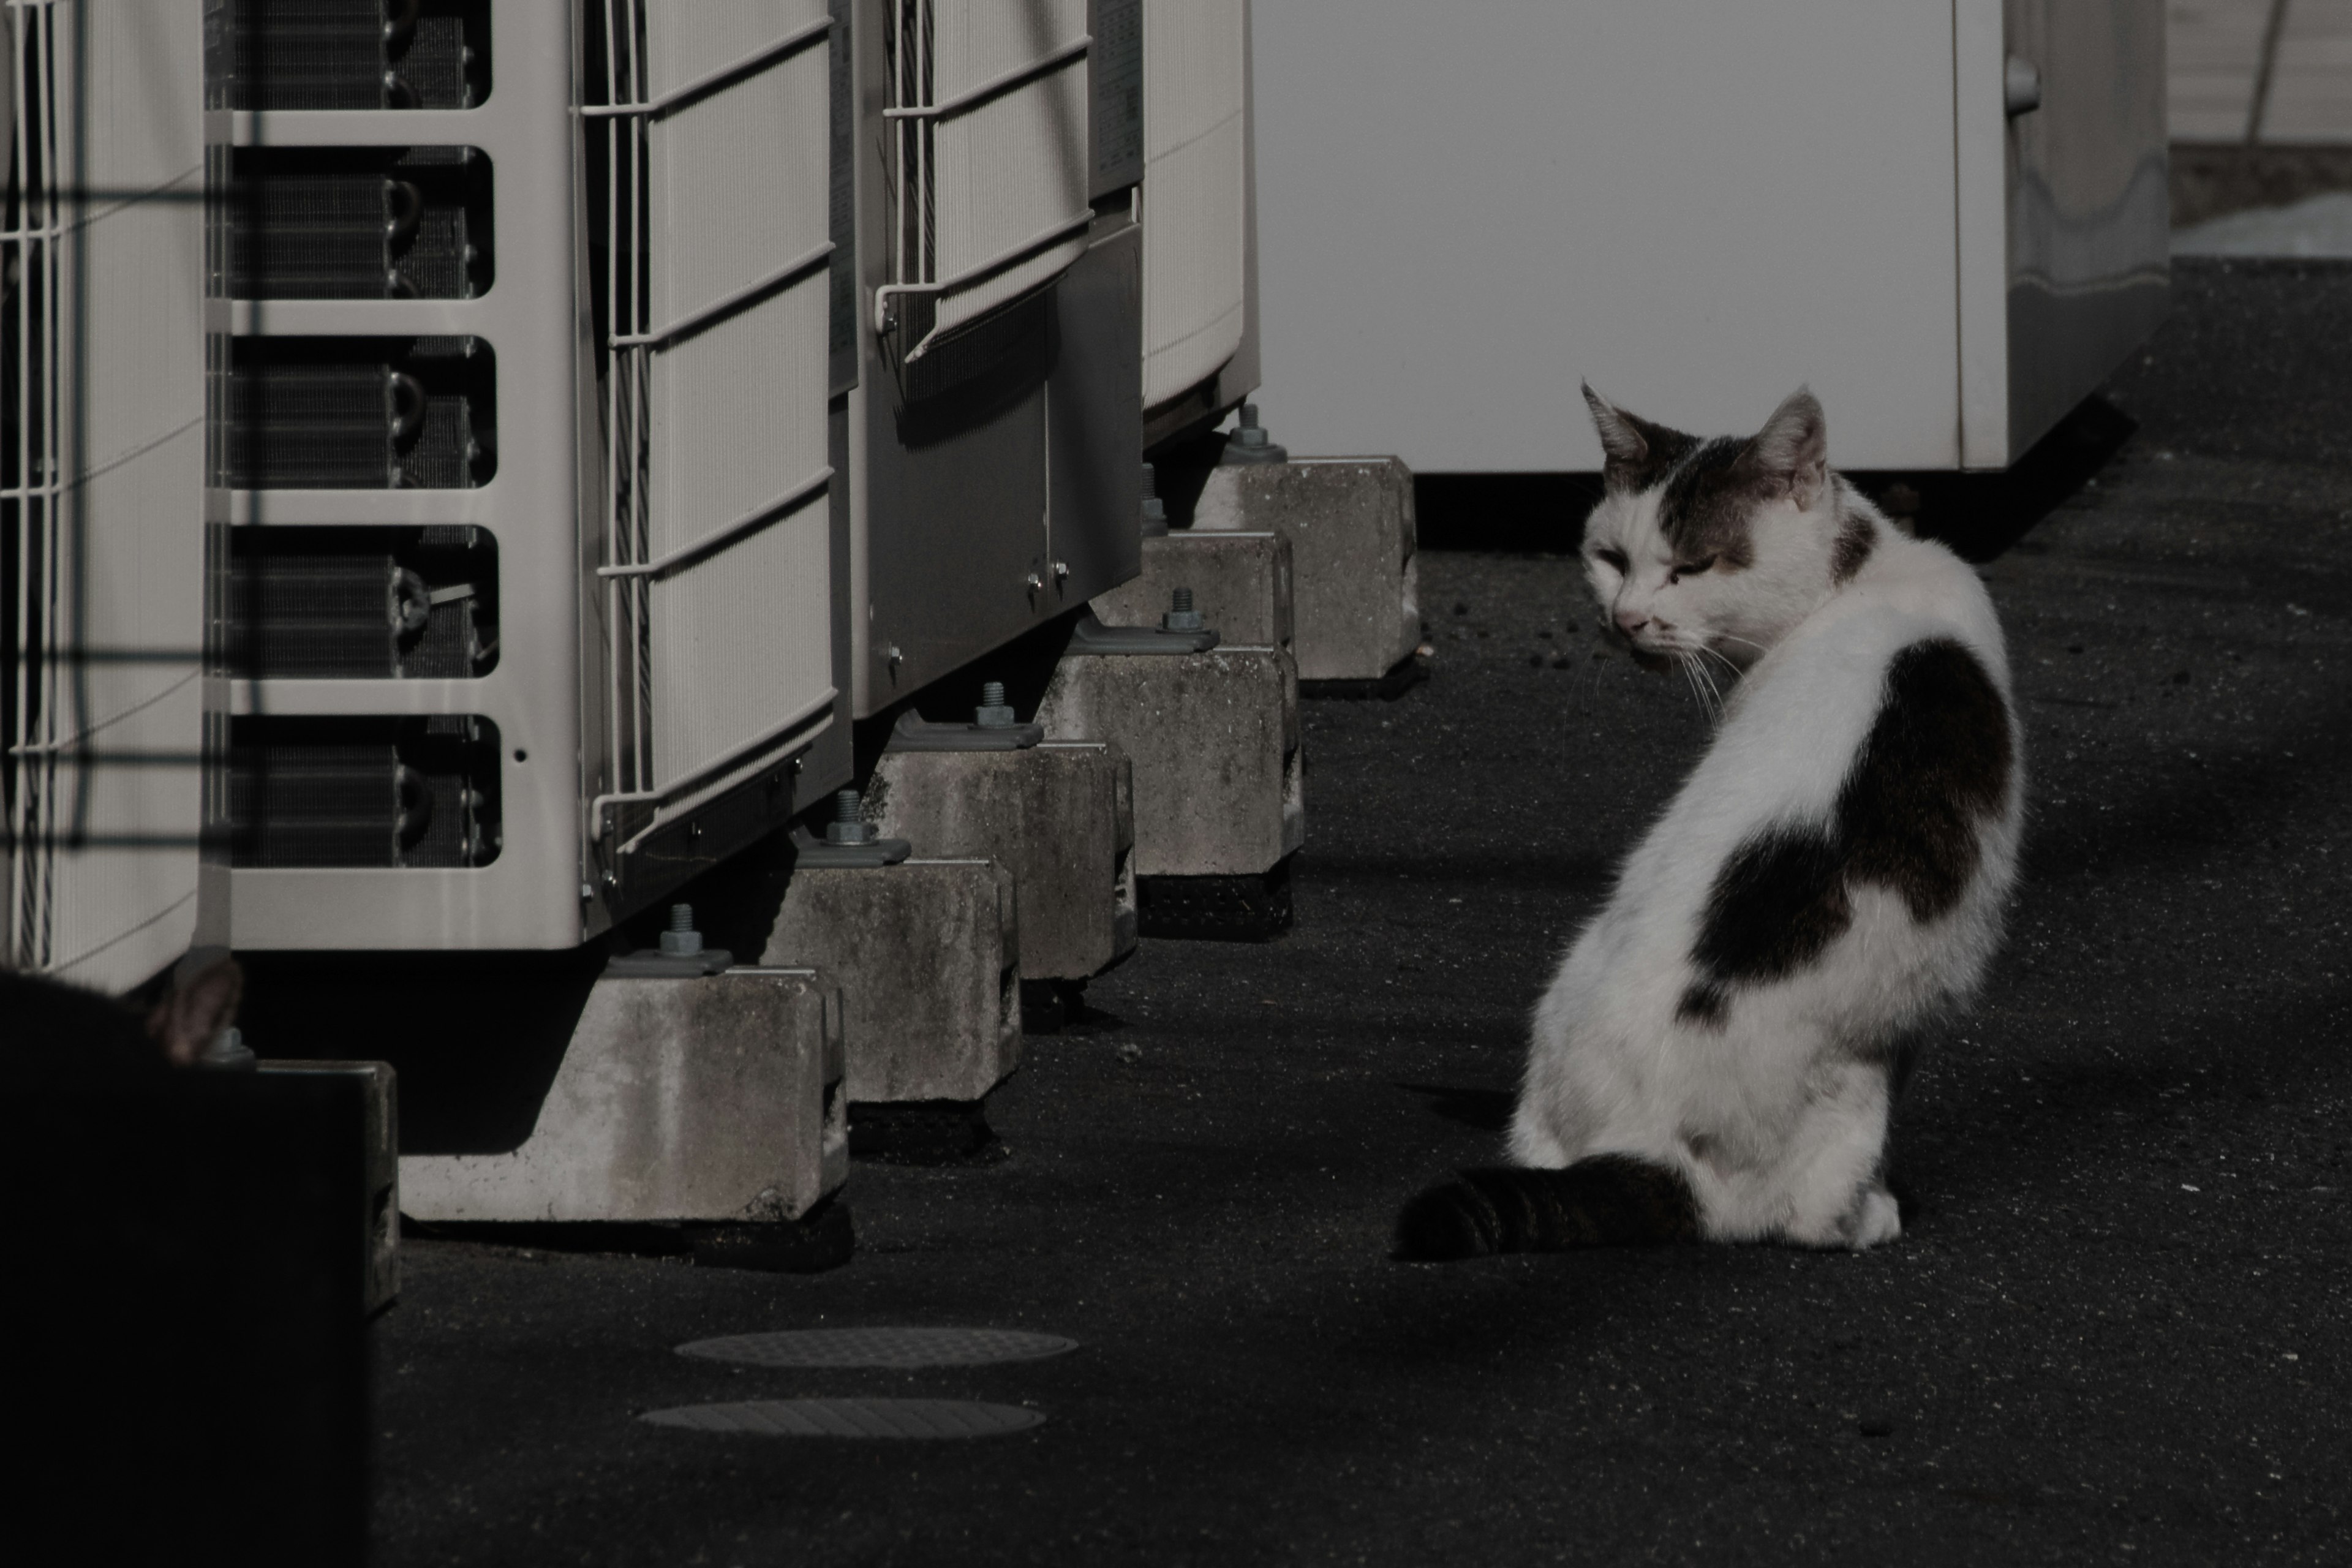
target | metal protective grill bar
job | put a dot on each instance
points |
(41, 726)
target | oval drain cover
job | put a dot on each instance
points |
(880, 1347)
(851, 1418)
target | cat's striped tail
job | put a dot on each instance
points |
(1609, 1200)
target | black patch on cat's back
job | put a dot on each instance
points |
(1855, 540)
(1779, 900)
(1705, 505)
(1936, 765)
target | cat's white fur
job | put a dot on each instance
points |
(1778, 1116)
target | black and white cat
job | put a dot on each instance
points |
(1721, 1049)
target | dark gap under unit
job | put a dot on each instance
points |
(358, 222)
(328, 603)
(360, 54)
(387, 792)
(361, 413)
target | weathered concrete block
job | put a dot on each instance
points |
(1213, 738)
(927, 954)
(1349, 522)
(710, 1098)
(1059, 817)
(382, 1215)
(1241, 584)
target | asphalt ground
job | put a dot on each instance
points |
(2115, 1329)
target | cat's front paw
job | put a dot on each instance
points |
(1876, 1221)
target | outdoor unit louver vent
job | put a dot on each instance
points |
(717, 568)
(360, 54)
(989, 167)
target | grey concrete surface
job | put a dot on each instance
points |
(1059, 817)
(927, 956)
(1349, 522)
(1241, 581)
(707, 1099)
(1219, 781)
(379, 1213)
(2115, 1331)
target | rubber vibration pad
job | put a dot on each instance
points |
(893, 1347)
(896, 1419)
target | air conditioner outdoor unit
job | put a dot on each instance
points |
(993, 432)
(521, 354)
(1951, 220)
(1200, 215)
(106, 718)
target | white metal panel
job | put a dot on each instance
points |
(733, 353)
(109, 291)
(1695, 205)
(742, 637)
(991, 126)
(1981, 160)
(2088, 203)
(2215, 49)
(1195, 192)
(731, 663)
(533, 319)
(2308, 99)
(1014, 167)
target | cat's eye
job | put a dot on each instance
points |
(1691, 569)
(1615, 558)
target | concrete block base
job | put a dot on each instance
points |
(712, 1100)
(1241, 584)
(1213, 738)
(381, 1086)
(1349, 523)
(1060, 818)
(927, 954)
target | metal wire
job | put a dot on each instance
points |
(29, 248)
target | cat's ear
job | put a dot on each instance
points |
(1792, 449)
(1632, 451)
(199, 1003)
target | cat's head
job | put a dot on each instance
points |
(1720, 545)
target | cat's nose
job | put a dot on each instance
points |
(1630, 621)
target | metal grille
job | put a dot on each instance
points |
(358, 54)
(717, 289)
(988, 160)
(359, 223)
(364, 792)
(39, 725)
(102, 550)
(324, 603)
(359, 413)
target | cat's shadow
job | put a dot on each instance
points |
(1488, 1110)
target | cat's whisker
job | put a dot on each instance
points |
(1719, 659)
(1702, 687)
